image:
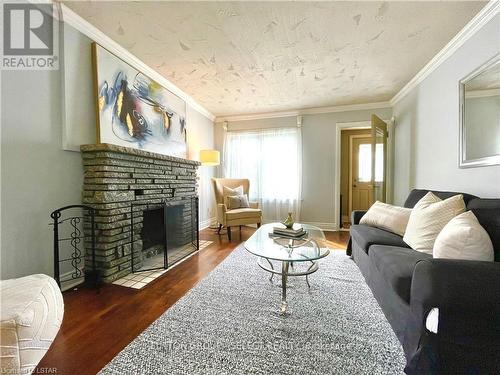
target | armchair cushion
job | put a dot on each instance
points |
(243, 213)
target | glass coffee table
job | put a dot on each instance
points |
(289, 252)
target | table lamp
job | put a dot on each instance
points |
(209, 158)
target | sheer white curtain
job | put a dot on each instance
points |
(272, 160)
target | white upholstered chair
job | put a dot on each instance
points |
(239, 216)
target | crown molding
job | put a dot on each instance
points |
(76, 21)
(305, 111)
(490, 10)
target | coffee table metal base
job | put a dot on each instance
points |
(284, 272)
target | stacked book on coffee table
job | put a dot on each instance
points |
(296, 232)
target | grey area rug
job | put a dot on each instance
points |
(227, 324)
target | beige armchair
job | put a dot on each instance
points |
(239, 216)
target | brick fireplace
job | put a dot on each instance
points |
(120, 182)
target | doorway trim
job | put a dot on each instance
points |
(339, 126)
(351, 141)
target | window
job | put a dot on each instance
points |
(365, 163)
(271, 160)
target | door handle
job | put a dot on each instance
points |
(354, 185)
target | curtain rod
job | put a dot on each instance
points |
(260, 129)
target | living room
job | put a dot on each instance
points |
(250, 187)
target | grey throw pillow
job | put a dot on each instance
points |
(237, 201)
(228, 192)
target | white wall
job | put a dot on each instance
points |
(318, 155)
(78, 111)
(37, 175)
(200, 136)
(427, 126)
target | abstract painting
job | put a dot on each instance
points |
(135, 111)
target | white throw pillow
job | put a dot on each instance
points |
(464, 238)
(228, 192)
(428, 218)
(388, 217)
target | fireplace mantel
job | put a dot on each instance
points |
(116, 177)
(134, 152)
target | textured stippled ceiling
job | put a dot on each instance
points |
(249, 57)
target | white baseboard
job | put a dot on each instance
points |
(71, 283)
(207, 223)
(328, 227)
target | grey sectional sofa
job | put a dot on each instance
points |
(408, 285)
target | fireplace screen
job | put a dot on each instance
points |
(163, 234)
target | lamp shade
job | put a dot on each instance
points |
(209, 157)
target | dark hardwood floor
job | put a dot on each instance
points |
(99, 324)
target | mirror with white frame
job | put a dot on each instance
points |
(480, 116)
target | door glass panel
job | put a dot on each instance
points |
(365, 163)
